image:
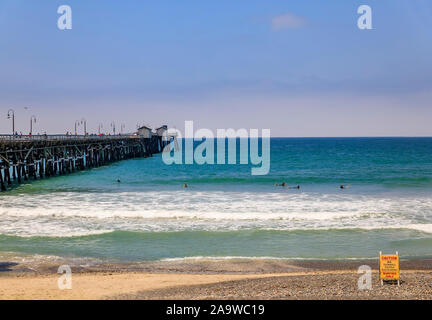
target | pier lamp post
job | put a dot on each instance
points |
(11, 114)
(32, 120)
(77, 123)
(113, 126)
(100, 127)
(84, 121)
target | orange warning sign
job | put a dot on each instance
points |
(389, 267)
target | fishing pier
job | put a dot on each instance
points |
(38, 157)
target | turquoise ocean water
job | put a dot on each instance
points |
(226, 212)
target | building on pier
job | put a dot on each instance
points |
(145, 132)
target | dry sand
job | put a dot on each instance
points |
(100, 285)
(233, 279)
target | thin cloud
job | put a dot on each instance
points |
(287, 21)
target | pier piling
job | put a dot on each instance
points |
(38, 157)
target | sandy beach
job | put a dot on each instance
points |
(208, 279)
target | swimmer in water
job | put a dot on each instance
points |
(296, 187)
(283, 184)
(185, 185)
(118, 180)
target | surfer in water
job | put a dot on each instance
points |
(296, 187)
(283, 184)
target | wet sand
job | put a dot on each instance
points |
(212, 279)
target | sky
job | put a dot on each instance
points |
(299, 68)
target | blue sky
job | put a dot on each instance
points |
(300, 68)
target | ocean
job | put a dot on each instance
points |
(226, 212)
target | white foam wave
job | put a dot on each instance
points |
(78, 214)
(68, 231)
(426, 228)
(223, 258)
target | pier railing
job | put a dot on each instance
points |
(17, 138)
